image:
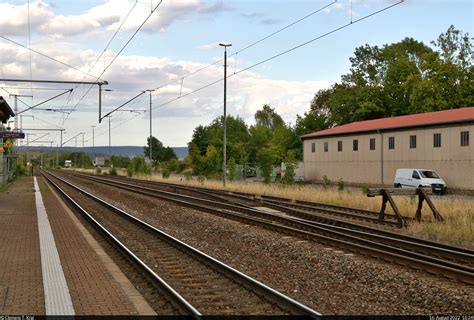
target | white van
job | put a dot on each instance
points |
(419, 178)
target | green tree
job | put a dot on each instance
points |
(268, 118)
(120, 161)
(138, 165)
(311, 121)
(232, 167)
(265, 158)
(213, 134)
(271, 132)
(201, 139)
(402, 78)
(213, 163)
(160, 153)
(290, 166)
(195, 159)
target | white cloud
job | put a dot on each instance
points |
(209, 46)
(105, 17)
(15, 17)
(130, 74)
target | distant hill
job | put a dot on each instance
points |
(129, 151)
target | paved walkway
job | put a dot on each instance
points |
(95, 285)
(21, 281)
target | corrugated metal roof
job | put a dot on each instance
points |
(412, 120)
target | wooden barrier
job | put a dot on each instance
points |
(387, 194)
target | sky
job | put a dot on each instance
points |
(177, 52)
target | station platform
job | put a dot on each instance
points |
(51, 265)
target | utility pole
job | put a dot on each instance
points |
(75, 152)
(51, 153)
(27, 147)
(83, 150)
(21, 121)
(93, 146)
(100, 101)
(224, 163)
(15, 141)
(151, 144)
(110, 155)
(61, 143)
(15, 96)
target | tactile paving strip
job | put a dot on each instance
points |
(57, 298)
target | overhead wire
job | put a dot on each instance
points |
(29, 45)
(251, 44)
(120, 51)
(216, 62)
(220, 60)
(108, 44)
(352, 22)
(285, 52)
(45, 55)
(34, 88)
(285, 27)
(137, 102)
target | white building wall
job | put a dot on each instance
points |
(455, 163)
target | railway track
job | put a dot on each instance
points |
(448, 261)
(191, 282)
(291, 207)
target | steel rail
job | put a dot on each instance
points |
(269, 293)
(174, 297)
(429, 263)
(395, 239)
(455, 252)
(225, 195)
(351, 213)
(301, 213)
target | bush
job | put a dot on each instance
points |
(188, 173)
(129, 171)
(165, 172)
(138, 165)
(340, 185)
(113, 171)
(232, 166)
(326, 182)
(201, 179)
(98, 171)
(181, 166)
(290, 163)
(20, 169)
(265, 161)
(365, 189)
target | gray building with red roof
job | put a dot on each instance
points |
(369, 152)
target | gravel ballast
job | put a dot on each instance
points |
(326, 279)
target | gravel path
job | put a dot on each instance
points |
(326, 279)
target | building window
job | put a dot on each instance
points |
(355, 145)
(339, 146)
(372, 143)
(313, 147)
(326, 146)
(391, 142)
(437, 140)
(464, 138)
(412, 142)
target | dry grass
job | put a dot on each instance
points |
(458, 211)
